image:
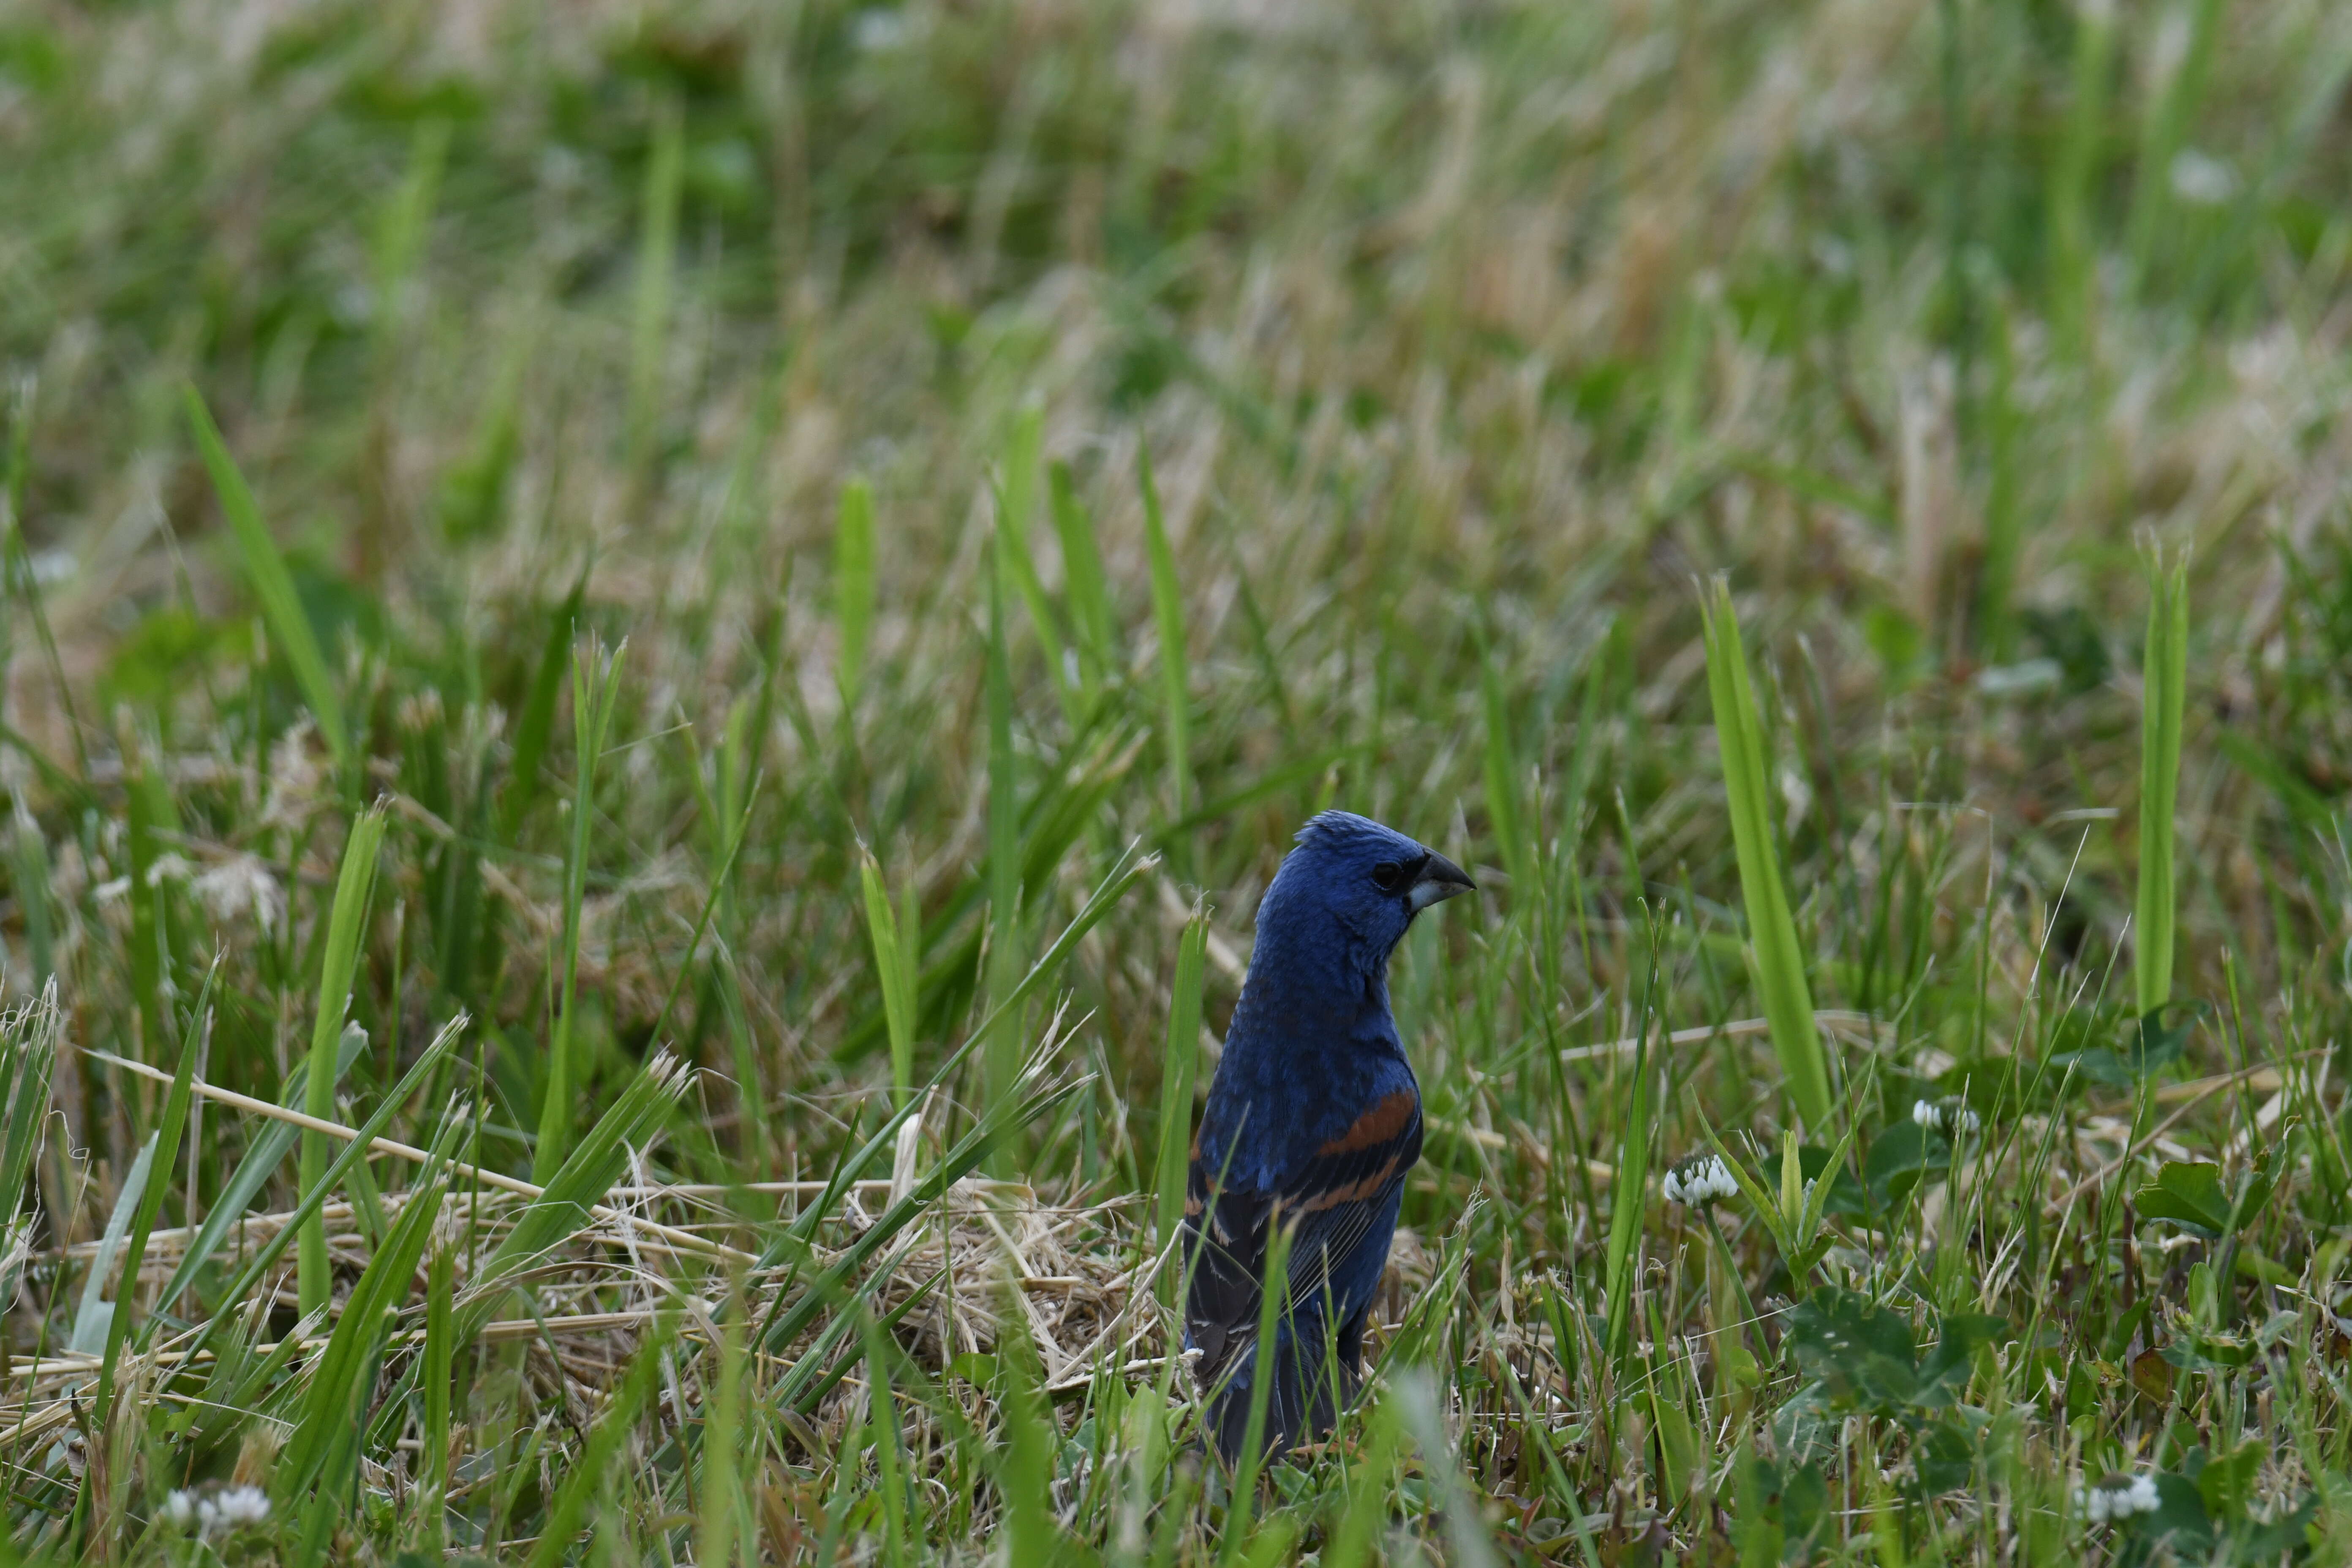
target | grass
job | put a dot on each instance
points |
(1693, 468)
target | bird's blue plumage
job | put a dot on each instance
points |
(1314, 1117)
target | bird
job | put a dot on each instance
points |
(1313, 1119)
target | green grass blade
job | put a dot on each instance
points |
(162, 1149)
(899, 1505)
(334, 1391)
(326, 1511)
(537, 726)
(895, 968)
(1418, 1403)
(819, 1368)
(1504, 816)
(1084, 583)
(346, 929)
(2074, 180)
(16, 566)
(976, 1144)
(471, 498)
(1024, 1461)
(400, 232)
(593, 1165)
(1129, 869)
(595, 693)
(1003, 1058)
(787, 1323)
(153, 822)
(1016, 492)
(439, 1351)
(719, 885)
(28, 1055)
(1168, 616)
(29, 853)
(603, 1449)
(1178, 1065)
(262, 1159)
(854, 586)
(2171, 110)
(90, 1315)
(265, 570)
(1370, 1491)
(722, 1493)
(1274, 1300)
(910, 965)
(314, 1196)
(657, 281)
(1772, 931)
(2164, 672)
(1629, 1204)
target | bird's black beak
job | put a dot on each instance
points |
(1437, 880)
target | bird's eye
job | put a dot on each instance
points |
(1388, 876)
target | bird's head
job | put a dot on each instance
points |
(1355, 885)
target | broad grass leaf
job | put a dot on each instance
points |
(1862, 1353)
(1944, 1372)
(2180, 1513)
(262, 1158)
(272, 584)
(1901, 1158)
(2187, 1192)
(2228, 1478)
(1846, 1196)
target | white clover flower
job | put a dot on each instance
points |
(2202, 180)
(878, 30)
(1935, 1118)
(1701, 1179)
(2117, 1497)
(180, 1510)
(169, 867)
(234, 1509)
(241, 885)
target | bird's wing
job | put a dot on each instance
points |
(1330, 1202)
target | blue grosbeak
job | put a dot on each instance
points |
(1313, 1119)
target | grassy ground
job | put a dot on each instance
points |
(666, 452)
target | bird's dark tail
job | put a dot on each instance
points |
(1309, 1388)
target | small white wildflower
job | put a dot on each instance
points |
(1702, 1179)
(296, 779)
(52, 566)
(243, 884)
(180, 1510)
(234, 1509)
(878, 29)
(170, 868)
(2202, 180)
(1955, 1116)
(2117, 1496)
